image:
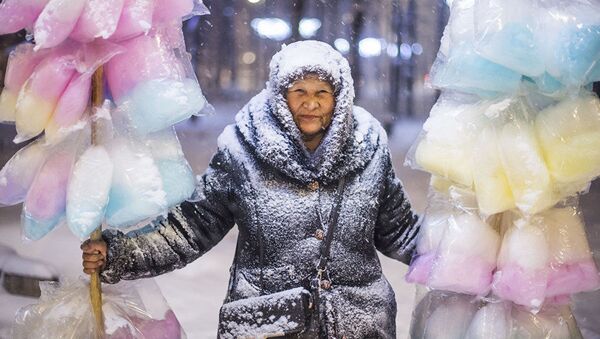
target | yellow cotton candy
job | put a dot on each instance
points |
(451, 163)
(566, 235)
(491, 185)
(8, 102)
(32, 115)
(527, 175)
(569, 135)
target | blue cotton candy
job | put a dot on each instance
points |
(157, 104)
(515, 47)
(466, 71)
(178, 180)
(34, 229)
(548, 85)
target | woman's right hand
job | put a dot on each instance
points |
(94, 256)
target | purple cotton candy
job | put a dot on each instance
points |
(420, 268)
(520, 285)
(573, 278)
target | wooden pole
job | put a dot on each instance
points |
(95, 286)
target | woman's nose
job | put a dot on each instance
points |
(311, 104)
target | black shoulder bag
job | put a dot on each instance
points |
(283, 313)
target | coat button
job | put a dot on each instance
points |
(313, 186)
(319, 234)
(325, 284)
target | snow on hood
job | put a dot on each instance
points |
(267, 123)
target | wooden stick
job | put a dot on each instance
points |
(95, 286)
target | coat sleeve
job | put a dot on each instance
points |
(189, 231)
(397, 227)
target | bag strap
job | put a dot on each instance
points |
(333, 220)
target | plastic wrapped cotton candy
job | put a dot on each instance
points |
(45, 203)
(446, 148)
(98, 19)
(466, 256)
(153, 87)
(177, 176)
(442, 315)
(551, 322)
(18, 173)
(70, 107)
(18, 14)
(505, 34)
(490, 182)
(571, 37)
(88, 190)
(136, 19)
(40, 94)
(522, 271)
(572, 267)
(137, 190)
(569, 135)
(493, 321)
(131, 310)
(21, 63)
(56, 22)
(169, 10)
(526, 171)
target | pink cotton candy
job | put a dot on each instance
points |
(420, 269)
(573, 278)
(18, 14)
(146, 58)
(19, 172)
(56, 22)
(136, 19)
(169, 10)
(71, 106)
(99, 19)
(168, 328)
(522, 286)
(469, 275)
(47, 196)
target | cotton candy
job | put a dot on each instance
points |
(572, 267)
(45, 203)
(569, 135)
(88, 191)
(522, 270)
(56, 22)
(466, 256)
(18, 14)
(18, 173)
(136, 19)
(505, 34)
(70, 107)
(137, 191)
(157, 104)
(526, 171)
(169, 10)
(450, 320)
(175, 172)
(40, 94)
(98, 19)
(21, 64)
(493, 321)
(490, 182)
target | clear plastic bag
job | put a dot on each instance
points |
(131, 310)
(136, 19)
(98, 19)
(153, 83)
(56, 22)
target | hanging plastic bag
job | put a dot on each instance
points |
(492, 321)
(56, 22)
(569, 135)
(18, 14)
(445, 147)
(505, 33)
(176, 174)
(18, 173)
(153, 83)
(136, 19)
(45, 203)
(21, 63)
(131, 310)
(99, 19)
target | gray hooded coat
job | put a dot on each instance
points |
(263, 179)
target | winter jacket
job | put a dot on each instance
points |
(263, 179)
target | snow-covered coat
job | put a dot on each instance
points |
(263, 179)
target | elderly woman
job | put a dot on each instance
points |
(308, 179)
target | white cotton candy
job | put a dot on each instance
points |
(137, 190)
(88, 191)
(450, 320)
(19, 172)
(569, 135)
(493, 321)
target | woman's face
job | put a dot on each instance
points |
(311, 102)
